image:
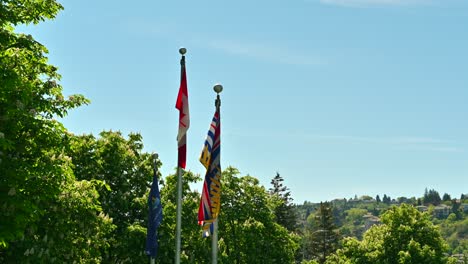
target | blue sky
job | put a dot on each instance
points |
(341, 97)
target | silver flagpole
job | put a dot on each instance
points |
(182, 52)
(218, 88)
(179, 213)
(214, 243)
(155, 167)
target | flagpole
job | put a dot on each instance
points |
(182, 52)
(218, 88)
(214, 243)
(179, 213)
(155, 159)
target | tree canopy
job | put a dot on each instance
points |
(431, 197)
(323, 238)
(284, 210)
(35, 170)
(405, 236)
(248, 230)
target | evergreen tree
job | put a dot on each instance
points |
(446, 197)
(284, 210)
(324, 237)
(456, 209)
(386, 199)
(431, 197)
(403, 199)
(377, 198)
(247, 230)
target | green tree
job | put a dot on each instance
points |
(248, 232)
(456, 209)
(127, 172)
(34, 170)
(455, 231)
(419, 201)
(405, 236)
(74, 230)
(431, 197)
(122, 165)
(386, 199)
(354, 222)
(446, 197)
(194, 248)
(403, 199)
(365, 198)
(323, 238)
(284, 210)
(377, 198)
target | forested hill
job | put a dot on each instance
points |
(354, 216)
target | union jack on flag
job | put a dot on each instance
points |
(211, 195)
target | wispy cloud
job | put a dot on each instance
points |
(433, 148)
(262, 51)
(373, 3)
(407, 143)
(383, 140)
(426, 144)
(265, 52)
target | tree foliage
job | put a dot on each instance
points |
(322, 239)
(73, 230)
(24, 12)
(405, 236)
(284, 210)
(431, 197)
(446, 197)
(247, 229)
(386, 199)
(194, 249)
(126, 172)
(35, 172)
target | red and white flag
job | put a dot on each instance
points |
(184, 119)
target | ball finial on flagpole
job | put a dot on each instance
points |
(218, 88)
(182, 51)
(155, 159)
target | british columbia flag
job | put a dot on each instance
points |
(211, 194)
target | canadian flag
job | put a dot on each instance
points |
(184, 118)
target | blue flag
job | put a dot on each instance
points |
(154, 219)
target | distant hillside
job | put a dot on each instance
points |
(354, 216)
